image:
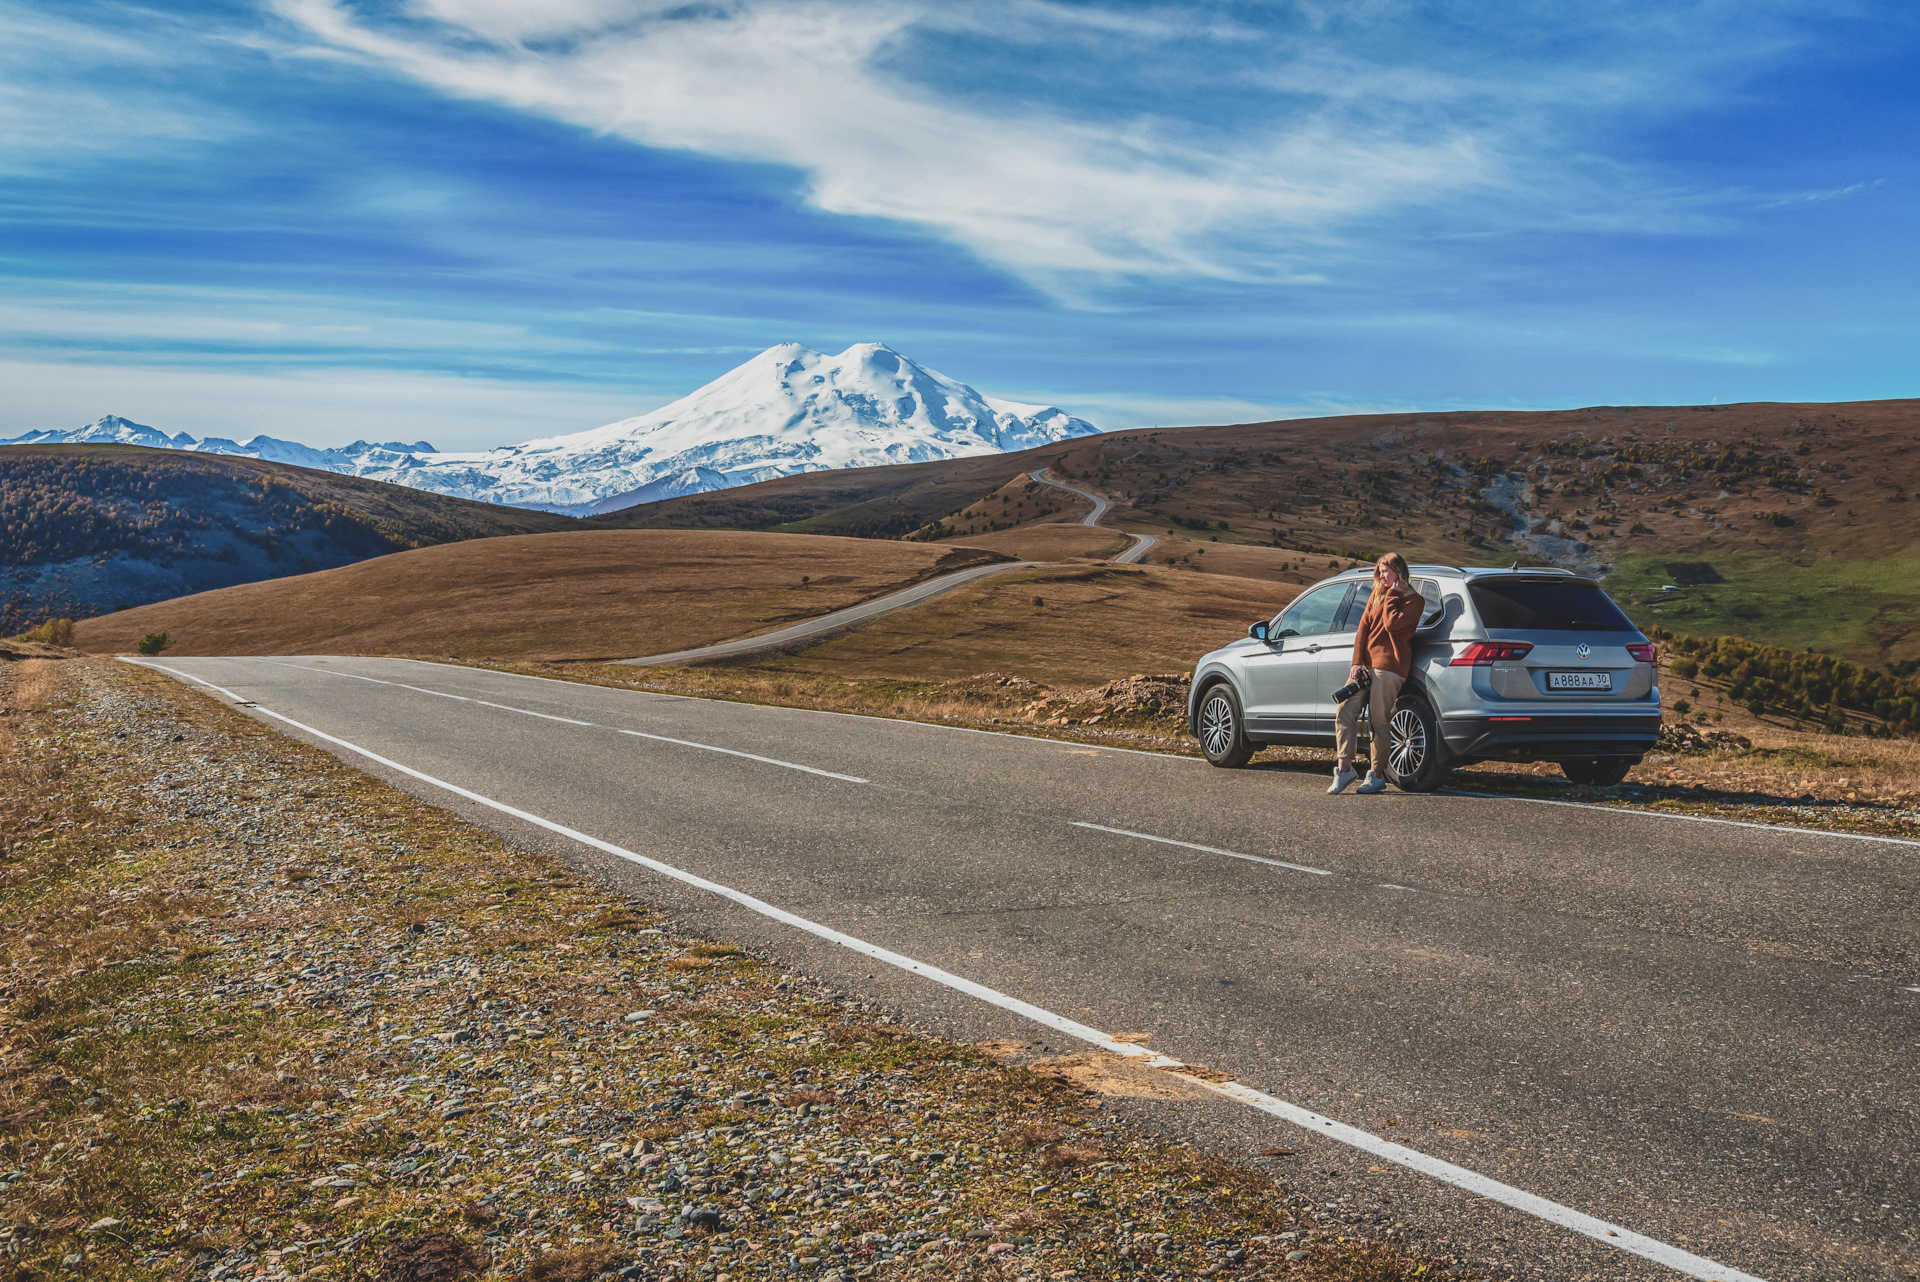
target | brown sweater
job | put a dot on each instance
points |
(1385, 638)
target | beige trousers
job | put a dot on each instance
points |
(1379, 704)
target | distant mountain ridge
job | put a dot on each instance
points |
(83, 531)
(787, 410)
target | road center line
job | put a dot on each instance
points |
(1552, 1212)
(1231, 854)
(707, 747)
(545, 716)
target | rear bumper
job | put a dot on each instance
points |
(1552, 737)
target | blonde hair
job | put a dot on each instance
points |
(1395, 562)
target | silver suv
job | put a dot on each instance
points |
(1508, 665)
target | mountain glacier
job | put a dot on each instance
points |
(787, 410)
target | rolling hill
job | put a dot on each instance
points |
(85, 529)
(571, 596)
(1789, 524)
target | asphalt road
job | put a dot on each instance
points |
(1142, 543)
(1702, 1033)
(828, 623)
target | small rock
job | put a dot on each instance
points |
(452, 1113)
(108, 1223)
(1296, 1255)
(636, 1016)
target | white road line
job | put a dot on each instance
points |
(707, 747)
(774, 707)
(1460, 1177)
(1387, 885)
(1668, 814)
(544, 716)
(1231, 854)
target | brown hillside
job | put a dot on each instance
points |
(580, 595)
(85, 529)
(1789, 523)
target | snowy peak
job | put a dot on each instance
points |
(789, 409)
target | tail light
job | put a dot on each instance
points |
(1484, 654)
(1647, 653)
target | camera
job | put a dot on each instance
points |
(1356, 686)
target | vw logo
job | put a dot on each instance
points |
(1584, 650)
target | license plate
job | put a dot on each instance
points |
(1579, 681)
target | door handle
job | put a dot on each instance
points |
(1313, 649)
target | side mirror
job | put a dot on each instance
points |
(1258, 631)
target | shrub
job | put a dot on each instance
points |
(52, 632)
(154, 643)
(1685, 669)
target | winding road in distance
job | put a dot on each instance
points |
(1142, 543)
(857, 614)
(1575, 1042)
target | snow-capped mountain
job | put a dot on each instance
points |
(787, 410)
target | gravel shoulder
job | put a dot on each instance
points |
(267, 1017)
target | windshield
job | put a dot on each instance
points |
(1546, 605)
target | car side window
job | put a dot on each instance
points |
(1356, 606)
(1314, 613)
(1436, 603)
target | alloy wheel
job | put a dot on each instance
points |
(1216, 725)
(1407, 744)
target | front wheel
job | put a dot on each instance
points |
(1416, 755)
(1598, 772)
(1223, 731)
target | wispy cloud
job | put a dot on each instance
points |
(1817, 197)
(1075, 145)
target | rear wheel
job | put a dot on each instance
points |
(1598, 772)
(1223, 731)
(1416, 755)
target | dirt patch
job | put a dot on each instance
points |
(1104, 1073)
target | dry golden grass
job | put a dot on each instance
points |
(1201, 555)
(1048, 541)
(576, 595)
(1093, 623)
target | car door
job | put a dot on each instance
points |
(1282, 679)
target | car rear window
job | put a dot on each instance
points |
(1545, 605)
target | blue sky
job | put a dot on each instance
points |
(478, 221)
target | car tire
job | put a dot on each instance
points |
(1222, 727)
(1416, 754)
(1598, 772)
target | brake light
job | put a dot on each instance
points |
(1484, 654)
(1647, 653)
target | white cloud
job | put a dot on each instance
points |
(1270, 161)
(807, 84)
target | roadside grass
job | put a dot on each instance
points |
(1063, 625)
(267, 1014)
(1864, 610)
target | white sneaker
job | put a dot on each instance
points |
(1341, 778)
(1375, 783)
